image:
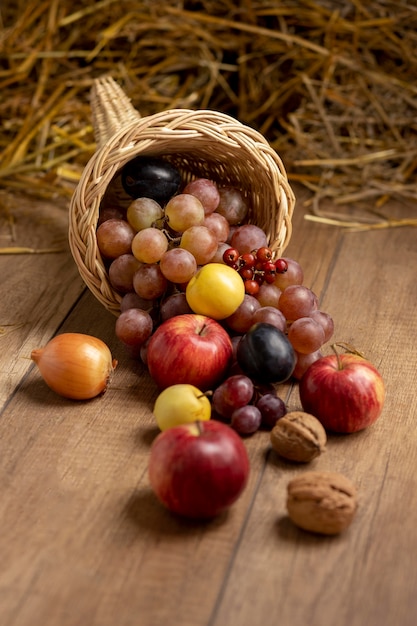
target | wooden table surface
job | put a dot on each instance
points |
(84, 542)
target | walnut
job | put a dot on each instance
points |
(322, 502)
(298, 436)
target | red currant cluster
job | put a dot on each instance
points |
(256, 267)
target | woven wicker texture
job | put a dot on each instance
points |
(199, 143)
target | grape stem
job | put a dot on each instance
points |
(159, 223)
(172, 239)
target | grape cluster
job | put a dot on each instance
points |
(282, 300)
(154, 246)
(245, 406)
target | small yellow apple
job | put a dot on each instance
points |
(216, 290)
(181, 404)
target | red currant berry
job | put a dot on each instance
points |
(269, 267)
(248, 260)
(251, 287)
(246, 273)
(270, 278)
(281, 266)
(264, 254)
(231, 256)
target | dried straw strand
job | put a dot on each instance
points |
(332, 86)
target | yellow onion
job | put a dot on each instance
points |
(75, 365)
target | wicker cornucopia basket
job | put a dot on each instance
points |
(199, 143)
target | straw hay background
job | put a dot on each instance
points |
(331, 84)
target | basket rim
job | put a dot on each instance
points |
(130, 130)
(144, 136)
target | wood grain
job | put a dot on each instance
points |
(38, 290)
(365, 576)
(85, 543)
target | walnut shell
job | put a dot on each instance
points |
(298, 436)
(322, 502)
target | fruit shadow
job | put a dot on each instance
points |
(287, 531)
(145, 435)
(37, 391)
(284, 527)
(145, 513)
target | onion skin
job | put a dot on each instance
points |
(75, 366)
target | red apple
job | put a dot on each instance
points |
(345, 392)
(191, 349)
(198, 470)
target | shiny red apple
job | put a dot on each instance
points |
(198, 470)
(345, 392)
(189, 348)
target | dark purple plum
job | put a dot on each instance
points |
(265, 354)
(151, 177)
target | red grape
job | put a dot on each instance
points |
(175, 304)
(206, 191)
(242, 319)
(201, 242)
(269, 295)
(134, 327)
(297, 301)
(272, 408)
(149, 282)
(218, 225)
(231, 394)
(326, 322)
(306, 335)
(149, 244)
(246, 420)
(303, 363)
(178, 265)
(111, 212)
(232, 205)
(143, 213)
(131, 300)
(114, 238)
(248, 237)
(121, 272)
(270, 315)
(184, 211)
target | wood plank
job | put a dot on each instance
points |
(368, 575)
(38, 290)
(84, 540)
(82, 477)
(90, 526)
